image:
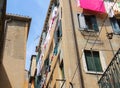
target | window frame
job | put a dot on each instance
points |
(102, 61)
(85, 24)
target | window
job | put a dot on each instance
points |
(56, 3)
(92, 60)
(57, 36)
(87, 22)
(115, 25)
(58, 32)
(47, 65)
(62, 69)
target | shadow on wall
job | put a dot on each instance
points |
(4, 81)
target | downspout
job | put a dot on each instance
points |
(4, 37)
(76, 47)
(5, 26)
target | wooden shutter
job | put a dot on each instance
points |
(89, 61)
(81, 20)
(97, 62)
(93, 63)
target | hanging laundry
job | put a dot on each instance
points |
(54, 13)
(47, 39)
(109, 9)
(95, 5)
(78, 3)
(116, 7)
(39, 65)
(50, 25)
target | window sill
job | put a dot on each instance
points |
(90, 33)
(94, 73)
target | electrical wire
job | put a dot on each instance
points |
(81, 56)
(102, 25)
(94, 41)
(110, 42)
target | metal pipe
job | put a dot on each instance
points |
(76, 47)
(4, 36)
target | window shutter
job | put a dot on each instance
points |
(43, 37)
(93, 63)
(97, 62)
(115, 25)
(82, 22)
(89, 61)
(55, 36)
(94, 23)
(55, 49)
(60, 29)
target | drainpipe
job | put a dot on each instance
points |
(76, 47)
(5, 26)
(4, 36)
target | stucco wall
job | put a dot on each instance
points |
(14, 49)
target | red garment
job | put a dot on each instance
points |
(95, 5)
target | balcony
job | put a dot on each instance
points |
(111, 77)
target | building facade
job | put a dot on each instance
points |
(79, 42)
(32, 72)
(14, 51)
(2, 20)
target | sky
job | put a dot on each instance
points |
(36, 9)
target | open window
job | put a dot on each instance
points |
(87, 23)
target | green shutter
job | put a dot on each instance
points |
(97, 61)
(93, 63)
(37, 57)
(60, 29)
(89, 61)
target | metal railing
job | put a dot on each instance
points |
(111, 77)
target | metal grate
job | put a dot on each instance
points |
(111, 77)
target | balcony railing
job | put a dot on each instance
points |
(111, 77)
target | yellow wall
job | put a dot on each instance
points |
(14, 57)
(73, 42)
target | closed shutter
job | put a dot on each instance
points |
(97, 63)
(81, 20)
(60, 28)
(93, 63)
(55, 49)
(89, 61)
(56, 36)
(37, 58)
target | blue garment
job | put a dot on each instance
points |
(115, 25)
